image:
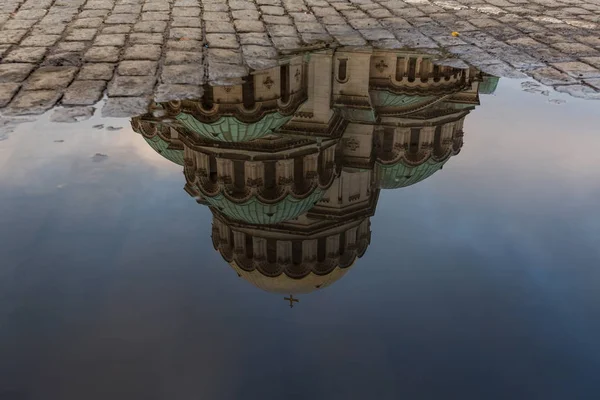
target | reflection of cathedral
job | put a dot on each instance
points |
(291, 162)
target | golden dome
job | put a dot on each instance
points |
(285, 285)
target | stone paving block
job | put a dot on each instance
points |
(96, 72)
(30, 14)
(116, 29)
(241, 5)
(155, 6)
(350, 39)
(261, 52)
(150, 26)
(222, 40)
(26, 55)
(186, 22)
(71, 47)
(12, 36)
(146, 38)
(595, 61)
(142, 52)
(277, 20)
(210, 7)
(121, 19)
(310, 27)
(315, 38)
(245, 15)
(155, 16)
(376, 34)
(186, 12)
(185, 45)
(282, 30)
(131, 86)
(137, 68)
(127, 9)
(40, 41)
(7, 92)
(56, 29)
(576, 49)
(276, 10)
(83, 93)
(185, 33)
(219, 27)
(170, 92)
(125, 107)
(105, 54)
(578, 69)
(32, 102)
(183, 74)
(99, 5)
(19, 24)
(303, 17)
(226, 56)
(365, 23)
(47, 78)
(551, 76)
(243, 26)
(183, 57)
(283, 43)
(12, 73)
(115, 39)
(88, 23)
(81, 35)
(93, 13)
(260, 39)
(216, 17)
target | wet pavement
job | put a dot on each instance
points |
(350, 223)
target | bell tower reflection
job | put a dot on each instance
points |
(291, 162)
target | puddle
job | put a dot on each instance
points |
(410, 213)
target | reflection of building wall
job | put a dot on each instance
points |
(291, 162)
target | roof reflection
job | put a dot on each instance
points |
(291, 161)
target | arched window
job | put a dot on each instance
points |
(239, 175)
(297, 252)
(321, 249)
(212, 166)
(284, 82)
(249, 247)
(414, 141)
(342, 75)
(437, 140)
(208, 97)
(400, 70)
(271, 250)
(248, 94)
(412, 69)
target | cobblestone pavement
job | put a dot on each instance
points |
(72, 52)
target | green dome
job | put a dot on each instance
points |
(231, 129)
(255, 212)
(162, 148)
(384, 98)
(489, 84)
(400, 175)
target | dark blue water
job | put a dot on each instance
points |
(480, 282)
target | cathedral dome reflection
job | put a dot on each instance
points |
(293, 176)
